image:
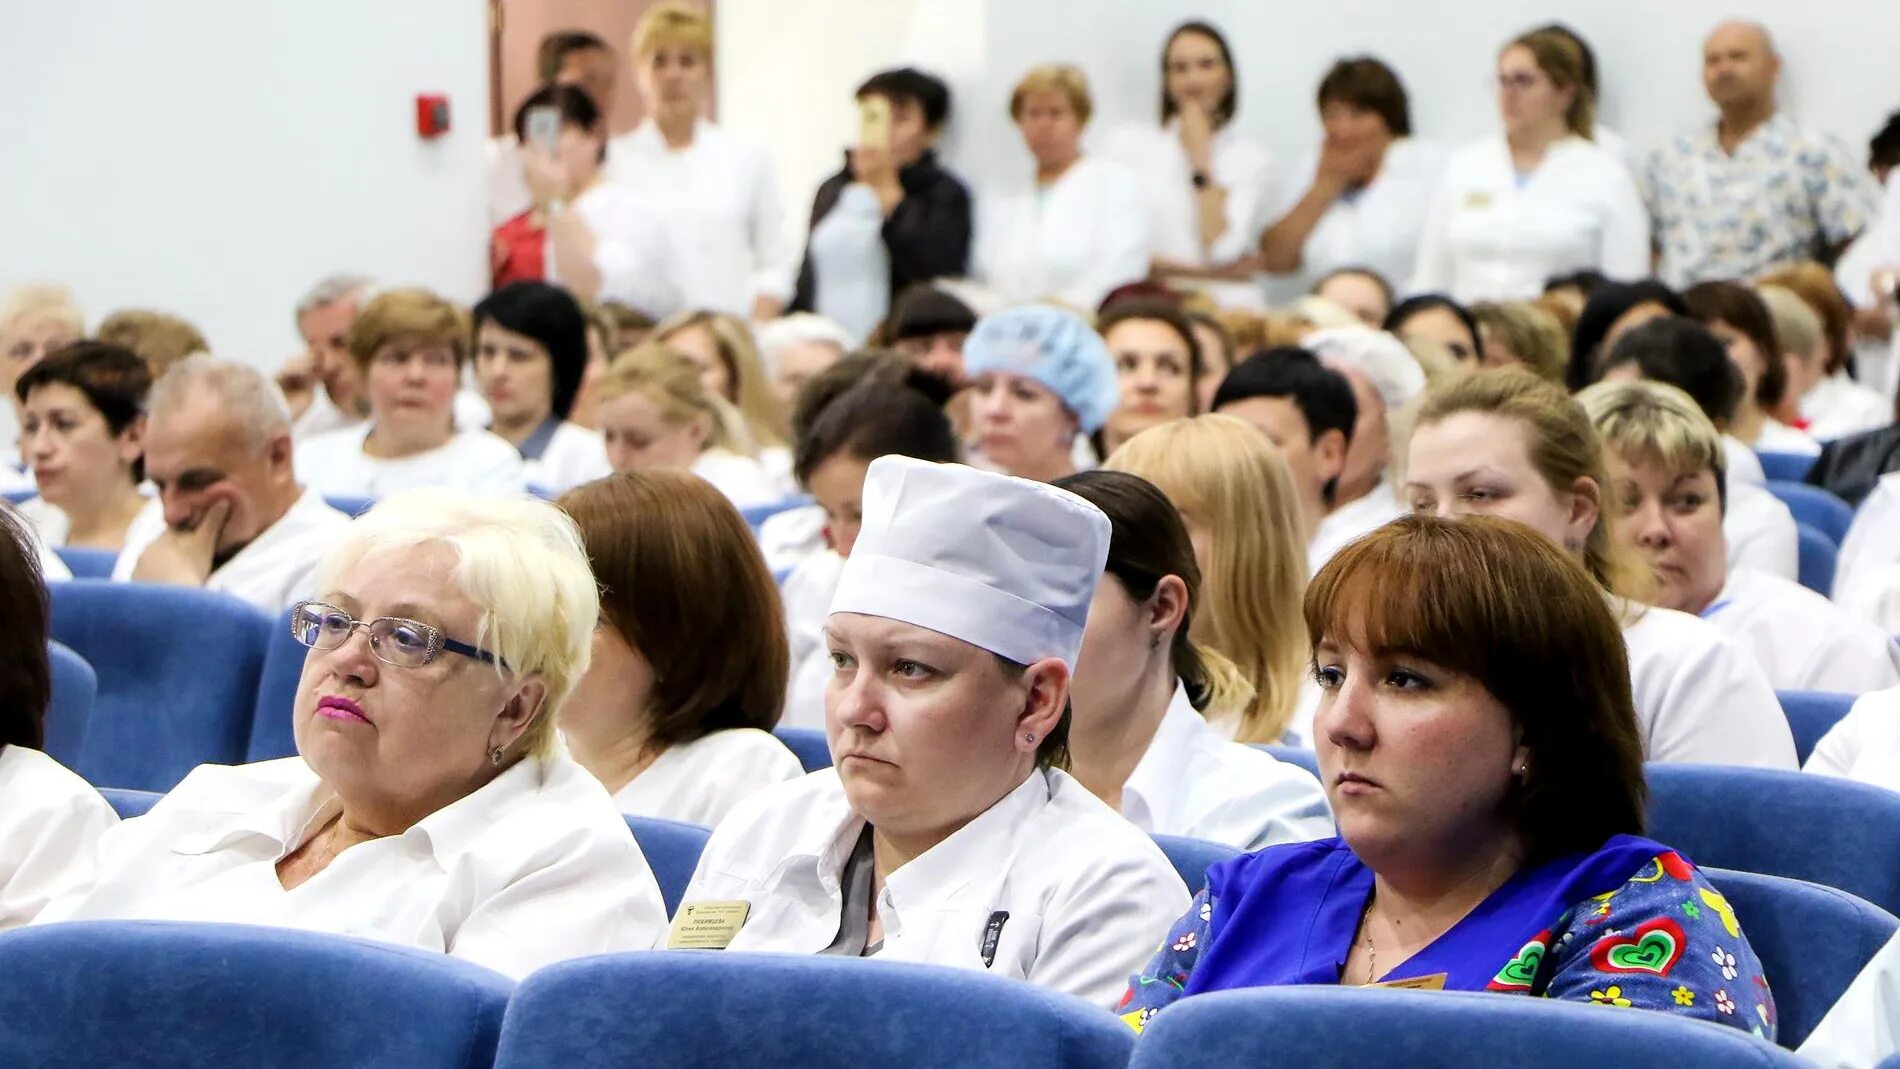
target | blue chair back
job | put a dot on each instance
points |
(75, 688)
(672, 850)
(129, 804)
(1815, 507)
(670, 1009)
(1817, 557)
(1812, 714)
(1332, 1027)
(87, 563)
(1193, 857)
(20, 497)
(350, 506)
(1784, 921)
(1786, 467)
(1830, 831)
(151, 993)
(177, 670)
(270, 733)
(808, 745)
(1292, 755)
(756, 515)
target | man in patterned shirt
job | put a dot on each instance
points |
(1753, 191)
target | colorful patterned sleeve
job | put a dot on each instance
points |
(1666, 940)
(1164, 979)
(1845, 197)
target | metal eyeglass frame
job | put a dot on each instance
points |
(437, 640)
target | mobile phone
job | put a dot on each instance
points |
(544, 127)
(874, 121)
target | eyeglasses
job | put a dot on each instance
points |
(394, 640)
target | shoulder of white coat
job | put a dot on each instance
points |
(569, 814)
(784, 815)
(1106, 843)
(749, 753)
(35, 787)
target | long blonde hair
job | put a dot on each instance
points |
(765, 423)
(1227, 479)
(671, 381)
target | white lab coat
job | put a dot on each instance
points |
(574, 455)
(51, 567)
(1778, 437)
(1489, 238)
(806, 595)
(49, 522)
(1837, 406)
(1700, 697)
(1073, 240)
(745, 482)
(276, 569)
(1760, 531)
(1864, 1026)
(1800, 639)
(476, 462)
(1087, 893)
(1741, 462)
(634, 250)
(50, 824)
(535, 867)
(720, 202)
(1239, 165)
(1864, 574)
(790, 538)
(699, 782)
(1377, 227)
(1194, 783)
(1865, 745)
(1352, 521)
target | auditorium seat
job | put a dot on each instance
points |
(87, 563)
(1293, 755)
(19, 497)
(1811, 714)
(75, 689)
(1332, 1027)
(1785, 467)
(1830, 831)
(1192, 857)
(129, 804)
(808, 745)
(350, 506)
(683, 1008)
(1817, 556)
(756, 515)
(1783, 919)
(178, 671)
(672, 850)
(155, 993)
(270, 733)
(1815, 507)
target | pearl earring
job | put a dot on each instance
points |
(1029, 736)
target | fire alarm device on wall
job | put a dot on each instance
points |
(432, 115)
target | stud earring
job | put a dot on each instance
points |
(1029, 736)
(494, 756)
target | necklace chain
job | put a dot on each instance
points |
(1372, 954)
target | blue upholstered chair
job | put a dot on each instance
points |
(19, 497)
(1830, 831)
(152, 993)
(1783, 920)
(1192, 857)
(178, 671)
(808, 745)
(128, 803)
(75, 688)
(672, 850)
(756, 515)
(270, 733)
(350, 506)
(1293, 755)
(1815, 507)
(1817, 556)
(1812, 714)
(1785, 467)
(1331, 1027)
(672, 1009)
(87, 563)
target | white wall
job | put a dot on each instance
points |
(787, 70)
(215, 157)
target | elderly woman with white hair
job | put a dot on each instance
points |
(947, 832)
(431, 803)
(1385, 379)
(797, 348)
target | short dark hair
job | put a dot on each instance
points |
(678, 566)
(1883, 149)
(923, 310)
(1322, 395)
(1501, 604)
(575, 106)
(1589, 56)
(113, 379)
(883, 414)
(1607, 304)
(1230, 101)
(1426, 302)
(557, 46)
(925, 90)
(1366, 82)
(1682, 353)
(26, 679)
(550, 315)
(1742, 308)
(1589, 280)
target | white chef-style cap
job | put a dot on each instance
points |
(1378, 355)
(1005, 564)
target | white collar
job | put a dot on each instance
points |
(1155, 784)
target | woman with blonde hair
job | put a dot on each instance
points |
(728, 359)
(34, 321)
(1139, 742)
(1523, 333)
(1506, 443)
(656, 412)
(1236, 496)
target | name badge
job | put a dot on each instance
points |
(1434, 982)
(993, 934)
(707, 925)
(1477, 200)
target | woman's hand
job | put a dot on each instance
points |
(547, 180)
(1345, 163)
(873, 166)
(1197, 136)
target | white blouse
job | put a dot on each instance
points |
(1491, 235)
(1865, 745)
(1837, 406)
(1352, 521)
(574, 455)
(1700, 697)
(633, 250)
(50, 825)
(720, 201)
(1073, 240)
(1066, 893)
(1760, 531)
(535, 867)
(1800, 639)
(1378, 226)
(745, 482)
(1869, 552)
(478, 462)
(55, 530)
(699, 782)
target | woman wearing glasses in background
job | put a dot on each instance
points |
(430, 804)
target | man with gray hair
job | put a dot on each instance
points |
(325, 370)
(1751, 191)
(217, 447)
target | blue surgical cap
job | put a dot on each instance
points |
(1057, 348)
